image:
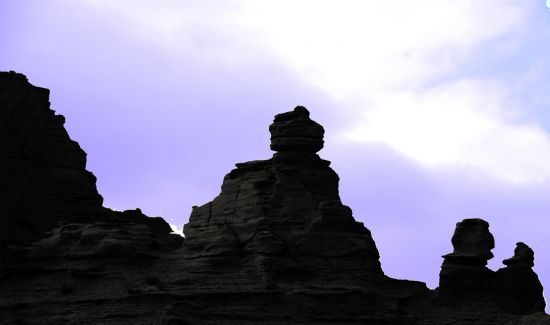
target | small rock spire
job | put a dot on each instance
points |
(464, 270)
(518, 288)
(523, 256)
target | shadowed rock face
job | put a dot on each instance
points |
(276, 246)
(49, 199)
(42, 171)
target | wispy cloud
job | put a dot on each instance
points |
(465, 124)
(405, 69)
(357, 47)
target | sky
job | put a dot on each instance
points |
(434, 110)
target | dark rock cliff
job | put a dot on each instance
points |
(52, 213)
(276, 246)
(42, 171)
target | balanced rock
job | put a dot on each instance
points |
(281, 220)
(295, 131)
(472, 241)
(518, 288)
(464, 270)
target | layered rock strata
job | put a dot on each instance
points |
(43, 176)
(52, 210)
(277, 246)
(295, 131)
(282, 218)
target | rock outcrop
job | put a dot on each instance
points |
(523, 256)
(52, 212)
(276, 246)
(282, 219)
(43, 176)
(464, 270)
(464, 276)
(518, 288)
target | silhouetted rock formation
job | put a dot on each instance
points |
(518, 288)
(42, 171)
(523, 256)
(464, 270)
(276, 246)
(49, 199)
(281, 219)
(295, 131)
(515, 288)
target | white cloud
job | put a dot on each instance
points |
(357, 47)
(399, 62)
(395, 64)
(207, 30)
(467, 123)
(345, 47)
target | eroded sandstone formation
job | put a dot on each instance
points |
(276, 246)
(282, 218)
(515, 288)
(464, 271)
(51, 209)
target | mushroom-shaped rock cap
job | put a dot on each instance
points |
(472, 239)
(295, 131)
(523, 256)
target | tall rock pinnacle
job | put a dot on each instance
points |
(282, 218)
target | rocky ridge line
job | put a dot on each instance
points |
(276, 246)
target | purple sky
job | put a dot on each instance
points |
(434, 111)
